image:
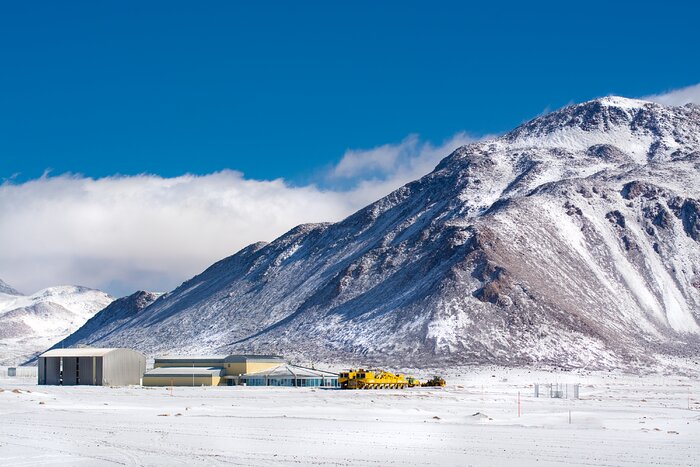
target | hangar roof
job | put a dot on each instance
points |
(80, 352)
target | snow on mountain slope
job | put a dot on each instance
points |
(32, 323)
(109, 319)
(573, 240)
(7, 290)
(644, 131)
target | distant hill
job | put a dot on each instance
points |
(32, 323)
(7, 290)
(109, 320)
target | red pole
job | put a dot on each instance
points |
(518, 404)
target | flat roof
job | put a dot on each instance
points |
(240, 358)
(192, 358)
(80, 352)
(291, 371)
(176, 371)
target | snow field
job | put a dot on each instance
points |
(619, 420)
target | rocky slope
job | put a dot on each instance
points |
(573, 240)
(109, 320)
(29, 324)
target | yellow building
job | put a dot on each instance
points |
(179, 376)
(237, 366)
(208, 361)
(211, 370)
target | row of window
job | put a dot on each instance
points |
(299, 382)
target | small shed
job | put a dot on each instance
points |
(91, 366)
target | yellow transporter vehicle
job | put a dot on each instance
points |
(344, 378)
(371, 379)
(413, 382)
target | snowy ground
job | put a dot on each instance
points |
(620, 420)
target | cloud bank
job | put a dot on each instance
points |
(124, 233)
(682, 96)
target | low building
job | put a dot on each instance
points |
(182, 376)
(208, 361)
(233, 370)
(291, 375)
(211, 370)
(238, 365)
(91, 366)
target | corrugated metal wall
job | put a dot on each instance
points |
(119, 367)
(123, 367)
(50, 370)
(98, 371)
(70, 371)
(87, 371)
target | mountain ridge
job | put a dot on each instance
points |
(108, 319)
(30, 324)
(5, 288)
(571, 240)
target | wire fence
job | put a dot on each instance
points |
(558, 391)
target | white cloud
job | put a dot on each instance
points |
(395, 164)
(125, 233)
(676, 97)
(143, 231)
(380, 159)
(147, 232)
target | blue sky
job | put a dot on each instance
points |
(283, 89)
(282, 113)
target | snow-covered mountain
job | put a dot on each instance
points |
(108, 320)
(30, 324)
(572, 240)
(6, 289)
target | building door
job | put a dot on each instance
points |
(52, 370)
(86, 371)
(70, 371)
(98, 371)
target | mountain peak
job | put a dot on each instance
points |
(604, 114)
(620, 102)
(645, 130)
(110, 318)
